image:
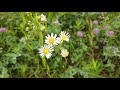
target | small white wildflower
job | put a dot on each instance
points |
(46, 51)
(29, 23)
(27, 28)
(43, 17)
(64, 36)
(51, 40)
(64, 53)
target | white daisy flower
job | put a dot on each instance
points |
(59, 40)
(64, 36)
(46, 51)
(43, 17)
(51, 40)
(64, 53)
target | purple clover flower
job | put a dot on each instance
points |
(80, 34)
(3, 29)
(96, 31)
(95, 22)
(110, 33)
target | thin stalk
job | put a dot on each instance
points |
(29, 46)
(90, 32)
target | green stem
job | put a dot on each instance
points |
(90, 32)
(41, 37)
(48, 71)
(44, 62)
(22, 25)
(65, 60)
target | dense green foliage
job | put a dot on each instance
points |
(93, 46)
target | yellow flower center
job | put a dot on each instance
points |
(51, 40)
(46, 51)
(64, 37)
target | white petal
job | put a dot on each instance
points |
(48, 56)
(52, 35)
(55, 36)
(48, 35)
(42, 54)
